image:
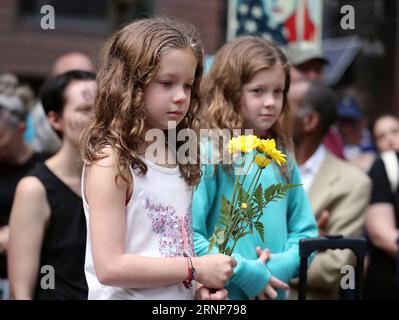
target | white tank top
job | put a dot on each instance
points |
(158, 224)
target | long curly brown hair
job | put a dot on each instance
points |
(234, 65)
(132, 58)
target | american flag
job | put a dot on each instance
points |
(251, 19)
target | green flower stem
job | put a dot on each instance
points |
(241, 184)
(257, 177)
(222, 247)
(250, 185)
(236, 183)
(235, 223)
(236, 218)
(238, 238)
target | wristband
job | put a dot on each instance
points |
(191, 272)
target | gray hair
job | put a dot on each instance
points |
(12, 109)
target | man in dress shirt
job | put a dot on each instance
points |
(338, 191)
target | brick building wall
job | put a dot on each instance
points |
(209, 16)
(29, 51)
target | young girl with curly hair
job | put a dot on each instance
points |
(137, 204)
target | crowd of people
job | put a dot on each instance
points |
(82, 193)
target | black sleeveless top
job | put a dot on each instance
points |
(64, 241)
(382, 278)
(10, 174)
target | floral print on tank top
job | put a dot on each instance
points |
(175, 232)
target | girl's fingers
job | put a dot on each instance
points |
(270, 292)
(203, 294)
(264, 256)
(219, 295)
(233, 262)
(261, 296)
(276, 283)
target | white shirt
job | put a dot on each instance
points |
(158, 224)
(309, 169)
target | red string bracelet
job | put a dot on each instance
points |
(191, 272)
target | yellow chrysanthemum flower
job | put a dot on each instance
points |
(244, 206)
(234, 146)
(261, 161)
(279, 157)
(268, 147)
(243, 144)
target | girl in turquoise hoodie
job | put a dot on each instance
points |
(247, 88)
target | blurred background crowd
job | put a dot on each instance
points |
(339, 157)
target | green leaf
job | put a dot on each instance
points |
(245, 233)
(257, 197)
(227, 251)
(258, 192)
(251, 227)
(253, 211)
(277, 191)
(224, 211)
(269, 193)
(261, 229)
(212, 242)
(243, 196)
(240, 195)
(237, 230)
(224, 220)
(246, 216)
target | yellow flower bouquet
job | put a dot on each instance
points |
(240, 215)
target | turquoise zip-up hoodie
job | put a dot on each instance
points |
(286, 222)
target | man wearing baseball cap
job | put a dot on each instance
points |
(352, 126)
(307, 61)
